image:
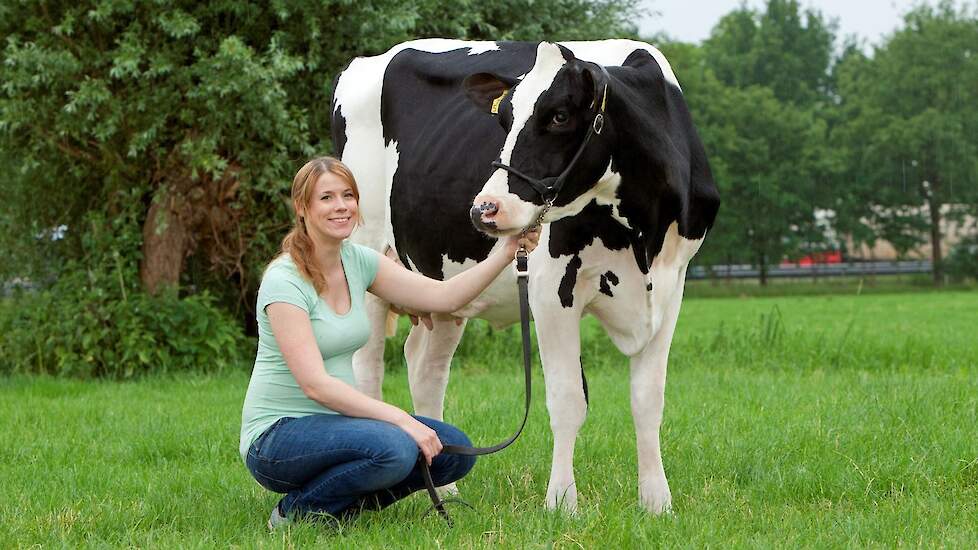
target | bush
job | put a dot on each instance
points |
(962, 263)
(95, 321)
(67, 331)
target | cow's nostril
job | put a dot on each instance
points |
(488, 209)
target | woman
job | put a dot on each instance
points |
(306, 431)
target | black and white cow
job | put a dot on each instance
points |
(421, 127)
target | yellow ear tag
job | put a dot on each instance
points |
(495, 103)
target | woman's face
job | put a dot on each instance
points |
(332, 209)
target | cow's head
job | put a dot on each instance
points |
(555, 149)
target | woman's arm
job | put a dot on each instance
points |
(293, 333)
(398, 285)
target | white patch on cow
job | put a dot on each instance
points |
(548, 63)
(483, 47)
(668, 272)
(604, 193)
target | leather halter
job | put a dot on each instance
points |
(549, 187)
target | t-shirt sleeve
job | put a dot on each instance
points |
(369, 262)
(281, 285)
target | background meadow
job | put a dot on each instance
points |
(833, 421)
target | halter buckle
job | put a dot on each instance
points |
(598, 123)
(522, 269)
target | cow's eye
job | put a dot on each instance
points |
(560, 118)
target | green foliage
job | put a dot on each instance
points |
(769, 153)
(908, 126)
(782, 48)
(79, 330)
(95, 321)
(186, 121)
(962, 262)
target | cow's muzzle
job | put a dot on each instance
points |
(482, 215)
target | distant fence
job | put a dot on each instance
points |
(851, 269)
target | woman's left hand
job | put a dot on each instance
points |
(530, 241)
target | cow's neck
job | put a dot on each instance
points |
(644, 201)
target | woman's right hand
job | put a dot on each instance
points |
(425, 437)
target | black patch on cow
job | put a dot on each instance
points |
(587, 400)
(544, 150)
(569, 236)
(445, 146)
(665, 174)
(649, 287)
(566, 289)
(338, 122)
(339, 132)
(608, 280)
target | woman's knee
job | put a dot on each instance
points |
(398, 456)
(447, 433)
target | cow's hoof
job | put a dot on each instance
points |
(563, 499)
(655, 497)
(447, 491)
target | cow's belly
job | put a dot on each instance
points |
(498, 304)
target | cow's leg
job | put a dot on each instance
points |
(648, 383)
(368, 361)
(559, 339)
(429, 356)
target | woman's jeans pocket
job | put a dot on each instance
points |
(261, 464)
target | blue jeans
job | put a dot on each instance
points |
(340, 465)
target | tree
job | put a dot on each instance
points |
(201, 111)
(756, 89)
(782, 48)
(909, 125)
(164, 135)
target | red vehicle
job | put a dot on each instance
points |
(827, 257)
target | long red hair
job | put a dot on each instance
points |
(297, 243)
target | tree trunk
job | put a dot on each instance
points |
(762, 267)
(935, 236)
(165, 241)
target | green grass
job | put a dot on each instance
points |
(821, 286)
(792, 421)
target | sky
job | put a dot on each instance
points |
(691, 21)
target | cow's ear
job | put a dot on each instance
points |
(596, 80)
(486, 90)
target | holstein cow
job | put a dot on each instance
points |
(455, 142)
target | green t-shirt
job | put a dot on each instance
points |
(274, 392)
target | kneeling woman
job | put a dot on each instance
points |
(306, 431)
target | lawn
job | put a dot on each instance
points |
(838, 421)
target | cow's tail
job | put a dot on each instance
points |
(391, 325)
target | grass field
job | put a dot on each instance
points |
(796, 421)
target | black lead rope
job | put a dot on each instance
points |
(521, 282)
